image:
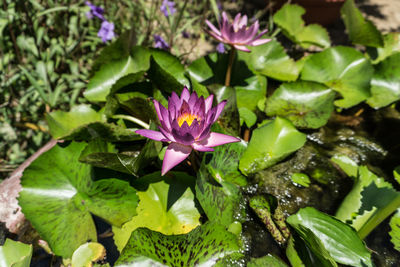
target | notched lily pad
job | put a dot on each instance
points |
(58, 197)
(306, 104)
(15, 254)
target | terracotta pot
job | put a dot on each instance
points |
(323, 12)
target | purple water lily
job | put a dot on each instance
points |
(168, 8)
(159, 42)
(95, 11)
(106, 31)
(186, 125)
(237, 34)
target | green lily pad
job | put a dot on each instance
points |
(344, 70)
(360, 30)
(204, 246)
(15, 254)
(339, 239)
(348, 165)
(385, 84)
(63, 123)
(88, 253)
(289, 19)
(391, 45)
(306, 104)
(166, 206)
(58, 197)
(247, 116)
(255, 90)
(269, 144)
(271, 60)
(301, 179)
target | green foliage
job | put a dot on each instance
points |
(269, 144)
(360, 31)
(88, 253)
(395, 232)
(323, 232)
(289, 19)
(391, 45)
(206, 245)
(306, 104)
(385, 83)
(342, 69)
(165, 206)
(15, 254)
(268, 260)
(301, 179)
(59, 196)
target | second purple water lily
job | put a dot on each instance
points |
(186, 124)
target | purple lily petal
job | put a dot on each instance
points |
(154, 135)
(219, 109)
(175, 154)
(260, 42)
(202, 148)
(242, 48)
(212, 27)
(217, 139)
(185, 94)
(208, 103)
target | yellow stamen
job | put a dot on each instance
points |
(189, 118)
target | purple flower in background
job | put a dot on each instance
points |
(106, 31)
(185, 34)
(159, 42)
(95, 11)
(168, 8)
(237, 34)
(221, 48)
(186, 125)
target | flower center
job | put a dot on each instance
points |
(189, 118)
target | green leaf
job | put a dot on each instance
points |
(88, 253)
(269, 144)
(344, 70)
(348, 165)
(247, 116)
(58, 197)
(271, 60)
(338, 238)
(391, 45)
(63, 123)
(289, 19)
(292, 254)
(267, 260)
(203, 246)
(15, 254)
(370, 201)
(301, 179)
(360, 31)
(385, 83)
(166, 206)
(395, 230)
(247, 96)
(306, 104)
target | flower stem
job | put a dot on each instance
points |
(132, 119)
(232, 53)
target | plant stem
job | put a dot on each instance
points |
(232, 53)
(132, 119)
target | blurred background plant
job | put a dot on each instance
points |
(46, 48)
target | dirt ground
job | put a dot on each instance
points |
(385, 14)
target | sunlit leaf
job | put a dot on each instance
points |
(343, 69)
(395, 232)
(391, 45)
(301, 179)
(268, 260)
(306, 104)
(166, 206)
(289, 19)
(385, 83)
(360, 30)
(271, 60)
(58, 197)
(62, 123)
(339, 239)
(203, 246)
(15, 254)
(269, 144)
(346, 164)
(88, 253)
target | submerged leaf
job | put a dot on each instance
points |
(58, 197)
(204, 246)
(269, 144)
